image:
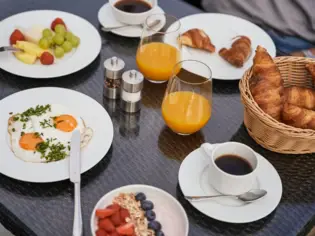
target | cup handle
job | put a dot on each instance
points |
(207, 148)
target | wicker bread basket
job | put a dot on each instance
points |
(265, 130)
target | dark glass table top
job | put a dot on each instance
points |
(144, 151)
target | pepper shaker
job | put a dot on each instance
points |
(132, 84)
(113, 70)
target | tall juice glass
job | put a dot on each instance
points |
(187, 103)
(159, 50)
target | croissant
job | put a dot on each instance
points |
(266, 84)
(301, 97)
(197, 38)
(298, 117)
(239, 53)
(311, 69)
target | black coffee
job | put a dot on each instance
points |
(133, 6)
(233, 164)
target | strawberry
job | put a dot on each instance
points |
(107, 225)
(124, 213)
(16, 36)
(101, 232)
(103, 213)
(46, 58)
(114, 207)
(57, 21)
(116, 219)
(114, 234)
(126, 229)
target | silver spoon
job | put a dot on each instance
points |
(151, 25)
(249, 196)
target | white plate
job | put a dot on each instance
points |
(92, 113)
(169, 212)
(107, 19)
(222, 29)
(89, 48)
(194, 181)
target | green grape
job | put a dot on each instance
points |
(60, 29)
(50, 41)
(47, 33)
(75, 41)
(59, 52)
(58, 39)
(67, 46)
(68, 36)
(43, 43)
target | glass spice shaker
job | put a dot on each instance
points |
(113, 70)
(131, 86)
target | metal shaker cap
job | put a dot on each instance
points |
(132, 81)
(114, 67)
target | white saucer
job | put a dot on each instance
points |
(107, 19)
(193, 180)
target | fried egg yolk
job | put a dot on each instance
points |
(66, 123)
(29, 141)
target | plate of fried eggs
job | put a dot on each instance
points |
(37, 126)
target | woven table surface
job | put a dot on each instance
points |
(143, 150)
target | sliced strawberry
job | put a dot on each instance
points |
(16, 36)
(114, 207)
(103, 213)
(57, 21)
(116, 219)
(126, 229)
(101, 232)
(107, 225)
(124, 213)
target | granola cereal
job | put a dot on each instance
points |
(129, 202)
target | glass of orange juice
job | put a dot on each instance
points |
(187, 103)
(159, 50)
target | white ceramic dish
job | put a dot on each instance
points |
(107, 19)
(91, 111)
(89, 48)
(193, 178)
(132, 18)
(169, 212)
(222, 29)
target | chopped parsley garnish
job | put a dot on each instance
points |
(22, 133)
(13, 130)
(51, 152)
(24, 125)
(36, 134)
(37, 111)
(69, 148)
(16, 118)
(10, 113)
(45, 124)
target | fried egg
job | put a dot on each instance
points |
(52, 127)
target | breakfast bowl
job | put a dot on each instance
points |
(126, 12)
(139, 210)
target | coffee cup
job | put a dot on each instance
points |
(232, 167)
(130, 18)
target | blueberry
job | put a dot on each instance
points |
(159, 233)
(147, 205)
(155, 225)
(150, 215)
(140, 197)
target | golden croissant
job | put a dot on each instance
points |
(266, 84)
(301, 97)
(197, 38)
(298, 117)
(239, 53)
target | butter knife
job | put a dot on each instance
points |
(75, 177)
(9, 48)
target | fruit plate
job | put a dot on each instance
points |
(82, 56)
(169, 212)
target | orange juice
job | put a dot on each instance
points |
(186, 112)
(157, 60)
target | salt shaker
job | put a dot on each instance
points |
(131, 86)
(113, 70)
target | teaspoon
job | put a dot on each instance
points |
(249, 196)
(151, 25)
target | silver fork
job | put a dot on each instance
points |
(9, 48)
